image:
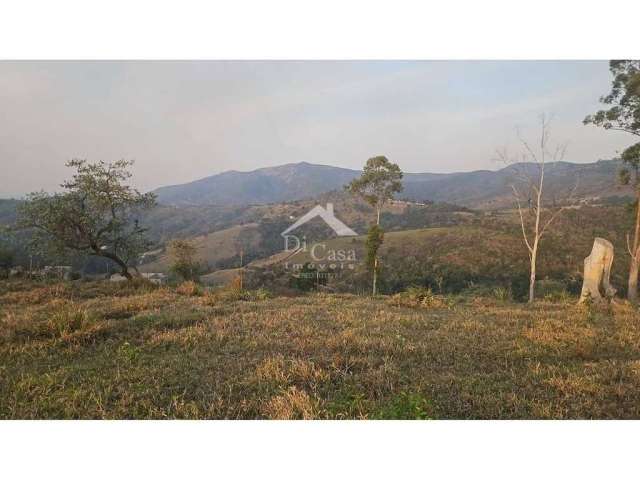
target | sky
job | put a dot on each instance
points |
(184, 120)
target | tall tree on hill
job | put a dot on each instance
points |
(623, 115)
(96, 214)
(535, 214)
(379, 182)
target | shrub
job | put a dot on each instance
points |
(308, 278)
(261, 294)
(182, 254)
(501, 293)
(189, 289)
(420, 297)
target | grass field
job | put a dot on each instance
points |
(99, 350)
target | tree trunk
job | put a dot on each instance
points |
(532, 273)
(124, 269)
(632, 286)
(375, 275)
(375, 261)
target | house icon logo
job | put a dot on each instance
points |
(329, 218)
(323, 257)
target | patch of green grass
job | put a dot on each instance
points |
(404, 406)
(348, 404)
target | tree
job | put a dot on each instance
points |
(528, 189)
(631, 175)
(182, 254)
(624, 99)
(96, 214)
(379, 182)
(623, 115)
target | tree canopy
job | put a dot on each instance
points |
(379, 181)
(95, 214)
(624, 99)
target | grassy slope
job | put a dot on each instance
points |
(222, 245)
(114, 351)
(488, 250)
(211, 248)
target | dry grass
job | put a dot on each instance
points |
(97, 350)
(189, 289)
(420, 297)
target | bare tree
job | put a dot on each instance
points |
(535, 210)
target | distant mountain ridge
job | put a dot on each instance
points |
(484, 189)
(283, 183)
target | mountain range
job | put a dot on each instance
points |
(483, 189)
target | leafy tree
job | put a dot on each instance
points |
(96, 214)
(379, 182)
(182, 254)
(623, 115)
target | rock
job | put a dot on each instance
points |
(597, 269)
(116, 277)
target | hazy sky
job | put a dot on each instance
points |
(185, 120)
